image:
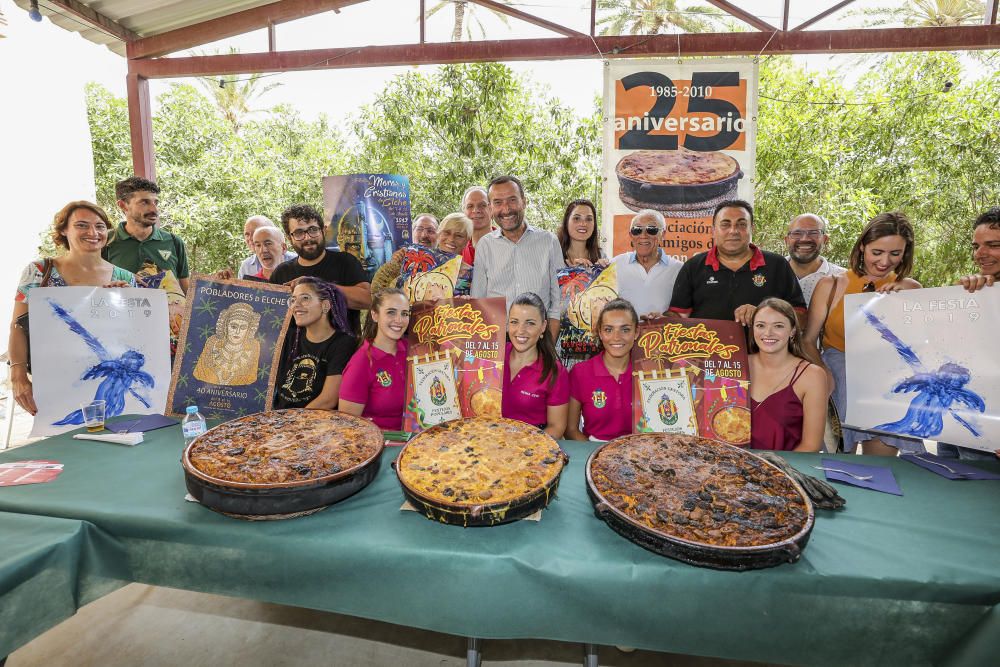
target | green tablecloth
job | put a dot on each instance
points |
(48, 568)
(889, 580)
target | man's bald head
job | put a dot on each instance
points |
(252, 224)
(806, 238)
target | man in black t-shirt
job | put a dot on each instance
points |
(728, 281)
(302, 379)
(304, 226)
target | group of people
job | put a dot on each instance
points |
(348, 347)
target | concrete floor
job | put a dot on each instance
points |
(162, 627)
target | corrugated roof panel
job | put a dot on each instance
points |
(145, 17)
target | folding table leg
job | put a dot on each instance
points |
(473, 655)
(590, 655)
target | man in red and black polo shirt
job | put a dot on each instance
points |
(728, 281)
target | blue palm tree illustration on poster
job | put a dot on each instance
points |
(120, 374)
(937, 390)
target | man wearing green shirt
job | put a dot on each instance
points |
(138, 241)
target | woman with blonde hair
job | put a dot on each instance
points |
(81, 230)
(454, 233)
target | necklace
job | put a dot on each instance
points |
(775, 388)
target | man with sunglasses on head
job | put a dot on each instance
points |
(806, 239)
(304, 226)
(728, 281)
(646, 275)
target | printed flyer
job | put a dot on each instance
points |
(465, 338)
(692, 376)
(584, 292)
(367, 215)
(679, 138)
(427, 274)
(920, 364)
(97, 344)
(230, 347)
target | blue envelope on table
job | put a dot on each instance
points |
(140, 424)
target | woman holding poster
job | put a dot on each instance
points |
(81, 228)
(374, 382)
(787, 393)
(320, 345)
(535, 384)
(601, 387)
(881, 261)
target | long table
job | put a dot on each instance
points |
(49, 567)
(889, 580)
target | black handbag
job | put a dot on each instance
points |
(22, 320)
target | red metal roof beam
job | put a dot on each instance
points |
(742, 15)
(95, 19)
(231, 25)
(691, 44)
(528, 18)
(822, 15)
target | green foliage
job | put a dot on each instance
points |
(900, 143)
(211, 178)
(464, 124)
(650, 17)
(896, 140)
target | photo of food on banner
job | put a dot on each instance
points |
(153, 278)
(584, 290)
(368, 216)
(429, 275)
(455, 363)
(692, 376)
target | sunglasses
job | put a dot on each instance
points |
(652, 230)
(868, 287)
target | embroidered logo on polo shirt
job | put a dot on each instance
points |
(384, 378)
(711, 281)
(599, 398)
(759, 279)
(166, 255)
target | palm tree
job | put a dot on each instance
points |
(234, 95)
(465, 16)
(650, 17)
(928, 13)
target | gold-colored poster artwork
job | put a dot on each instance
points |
(231, 355)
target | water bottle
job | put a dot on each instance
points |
(193, 424)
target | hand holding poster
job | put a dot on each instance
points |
(456, 361)
(368, 215)
(692, 376)
(93, 343)
(230, 347)
(920, 364)
(679, 138)
(585, 290)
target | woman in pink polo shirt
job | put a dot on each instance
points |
(601, 387)
(535, 385)
(374, 381)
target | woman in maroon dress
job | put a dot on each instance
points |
(788, 395)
